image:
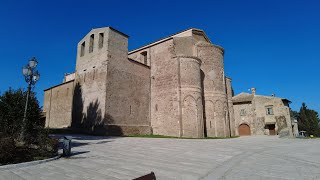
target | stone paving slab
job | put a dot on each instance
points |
(114, 158)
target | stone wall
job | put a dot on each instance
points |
(90, 81)
(245, 117)
(280, 112)
(212, 71)
(187, 76)
(191, 96)
(128, 89)
(231, 122)
(112, 92)
(165, 97)
(58, 105)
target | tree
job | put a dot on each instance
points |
(294, 114)
(308, 120)
(12, 103)
(36, 144)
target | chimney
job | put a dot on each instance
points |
(253, 91)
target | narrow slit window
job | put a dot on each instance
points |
(91, 43)
(83, 46)
(101, 36)
(144, 57)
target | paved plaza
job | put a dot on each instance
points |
(259, 157)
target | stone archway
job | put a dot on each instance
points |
(244, 130)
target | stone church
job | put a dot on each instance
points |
(175, 86)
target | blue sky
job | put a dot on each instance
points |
(269, 44)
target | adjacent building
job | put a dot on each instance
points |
(262, 115)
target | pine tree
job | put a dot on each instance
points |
(308, 120)
(12, 104)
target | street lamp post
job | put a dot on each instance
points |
(31, 76)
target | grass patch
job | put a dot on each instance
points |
(174, 137)
(222, 137)
(150, 136)
(308, 138)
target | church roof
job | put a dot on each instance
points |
(246, 97)
(242, 97)
(178, 34)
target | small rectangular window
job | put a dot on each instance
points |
(269, 110)
(91, 43)
(83, 47)
(242, 112)
(144, 57)
(101, 36)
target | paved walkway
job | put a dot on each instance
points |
(261, 157)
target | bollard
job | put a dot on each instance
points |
(66, 146)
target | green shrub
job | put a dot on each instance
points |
(7, 150)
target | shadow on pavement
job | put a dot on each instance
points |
(78, 153)
(74, 155)
(82, 137)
